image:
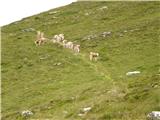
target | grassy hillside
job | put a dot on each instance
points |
(33, 80)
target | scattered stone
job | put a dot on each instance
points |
(12, 34)
(136, 29)
(156, 86)
(49, 107)
(84, 111)
(89, 37)
(103, 8)
(86, 14)
(104, 34)
(131, 30)
(121, 35)
(125, 31)
(44, 57)
(65, 112)
(154, 115)
(26, 113)
(28, 30)
(57, 64)
(54, 17)
(25, 59)
(72, 98)
(87, 109)
(53, 12)
(133, 73)
(81, 115)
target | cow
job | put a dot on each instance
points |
(59, 38)
(93, 56)
(69, 45)
(40, 38)
(37, 41)
(64, 43)
(76, 48)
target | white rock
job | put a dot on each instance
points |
(28, 30)
(54, 17)
(65, 112)
(52, 12)
(104, 34)
(87, 109)
(58, 63)
(125, 31)
(86, 14)
(80, 114)
(104, 7)
(121, 35)
(133, 73)
(154, 115)
(26, 113)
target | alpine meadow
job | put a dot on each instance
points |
(114, 76)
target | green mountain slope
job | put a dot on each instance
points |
(55, 83)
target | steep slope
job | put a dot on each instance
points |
(33, 80)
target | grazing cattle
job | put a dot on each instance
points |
(40, 38)
(76, 48)
(64, 43)
(37, 41)
(69, 45)
(42, 35)
(53, 40)
(38, 35)
(59, 38)
(93, 56)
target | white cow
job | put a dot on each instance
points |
(93, 56)
(64, 43)
(40, 38)
(69, 45)
(61, 36)
(58, 38)
(76, 48)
